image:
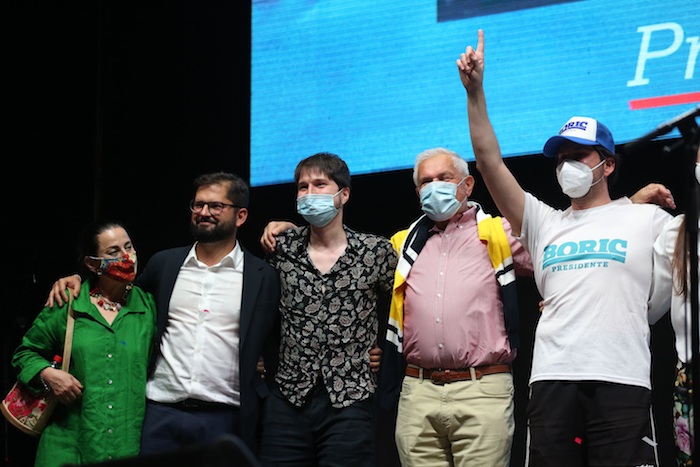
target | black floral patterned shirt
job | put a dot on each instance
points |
(330, 321)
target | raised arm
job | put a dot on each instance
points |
(503, 187)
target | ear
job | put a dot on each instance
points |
(91, 264)
(469, 183)
(241, 216)
(609, 166)
(344, 196)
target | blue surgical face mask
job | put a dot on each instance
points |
(439, 200)
(317, 209)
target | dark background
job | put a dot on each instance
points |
(114, 108)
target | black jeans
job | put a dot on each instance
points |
(317, 434)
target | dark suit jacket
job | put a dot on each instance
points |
(259, 325)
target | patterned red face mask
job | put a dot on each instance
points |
(122, 268)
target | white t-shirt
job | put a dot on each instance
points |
(665, 294)
(593, 267)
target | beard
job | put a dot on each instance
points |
(211, 234)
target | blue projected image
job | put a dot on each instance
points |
(377, 83)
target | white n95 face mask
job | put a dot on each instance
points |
(576, 178)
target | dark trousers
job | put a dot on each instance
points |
(166, 428)
(317, 434)
(590, 423)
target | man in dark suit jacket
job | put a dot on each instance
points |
(217, 317)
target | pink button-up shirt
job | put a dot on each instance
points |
(453, 315)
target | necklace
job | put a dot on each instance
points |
(104, 302)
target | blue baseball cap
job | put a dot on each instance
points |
(581, 130)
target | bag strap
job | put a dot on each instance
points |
(70, 325)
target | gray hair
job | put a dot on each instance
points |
(460, 164)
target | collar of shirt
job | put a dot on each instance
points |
(467, 216)
(304, 233)
(234, 258)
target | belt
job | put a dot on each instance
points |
(439, 376)
(195, 404)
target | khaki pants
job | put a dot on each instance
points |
(464, 423)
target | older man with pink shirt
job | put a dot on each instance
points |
(453, 328)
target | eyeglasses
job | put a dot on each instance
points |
(215, 208)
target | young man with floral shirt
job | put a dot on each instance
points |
(334, 281)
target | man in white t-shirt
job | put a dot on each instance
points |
(590, 381)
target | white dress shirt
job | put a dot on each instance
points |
(200, 346)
